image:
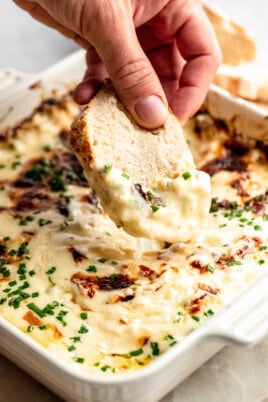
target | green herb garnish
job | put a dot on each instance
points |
(83, 329)
(209, 313)
(155, 348)
(51, 271)
(79, 360)
(125, 175)
(210, 269)
(107, 168)
(136, 352)
(83, 316)
(92, 268)
(186, 175)
(38, 311)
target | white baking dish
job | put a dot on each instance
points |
(235, 324)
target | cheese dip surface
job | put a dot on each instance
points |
(171, 209)
(101, 300)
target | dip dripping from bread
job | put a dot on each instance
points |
(146, 180)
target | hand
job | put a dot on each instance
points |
(156, 52)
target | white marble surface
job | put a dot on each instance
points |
(233, 375)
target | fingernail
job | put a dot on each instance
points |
(151, 111)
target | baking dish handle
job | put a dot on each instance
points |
(245, 321)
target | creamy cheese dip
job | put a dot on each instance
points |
(171, 209)
(97, 298)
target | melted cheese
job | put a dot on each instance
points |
(170, 210)
(101, 300)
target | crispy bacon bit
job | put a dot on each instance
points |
(208, 288)
(217, 204)
(196, 304)
(53, 172)
(237, 185)
(143, 340)
(108, 283)
(31, 318)
(90, 199)
(3, 249)
(62, 206)
(123, 322)
(146, 271)
(257, 204)
(140, 190)
(118, 298)
(77, 255)
(196, 264)
(249, 247)
(236, 146)
(149, 196)
(230, 162)
(32, 200)
(57, 333)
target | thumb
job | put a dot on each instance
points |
(133, 76)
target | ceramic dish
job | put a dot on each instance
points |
(235, 324)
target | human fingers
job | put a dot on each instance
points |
(168, 65)
(185, 22)
(130, 70)
(198, 45)
(95, 75)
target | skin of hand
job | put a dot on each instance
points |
(156, 52)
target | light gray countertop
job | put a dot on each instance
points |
(235, 374)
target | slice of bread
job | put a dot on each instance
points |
(146, 181)
(236, 43)
(247, 83)
(105, 134)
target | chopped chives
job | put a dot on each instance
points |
(261, 248)
(51, 271)
(136, 352)
(105, 368)
(36, 309)
(257, 227)
(209, 313)
(210, 268)
(155, 348)
(186, 175)
(79, 360)
(92, 268)
(107, 168)
(75, 339)
(83, 329)
(125, 175)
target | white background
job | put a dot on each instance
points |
(235, 374)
